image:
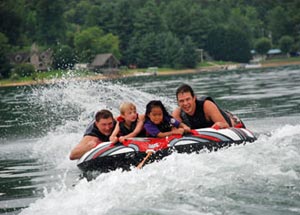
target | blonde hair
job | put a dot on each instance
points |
(127, 106)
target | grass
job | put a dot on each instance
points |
(282, 59)
(214, 63)
(56, 74)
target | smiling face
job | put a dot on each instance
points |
(105, 126)
(156, 115)
(187, 102)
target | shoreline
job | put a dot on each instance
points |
(138, 74)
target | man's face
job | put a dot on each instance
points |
(187, 102)
(105, 126)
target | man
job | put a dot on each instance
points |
(202, 112)
(98, 131)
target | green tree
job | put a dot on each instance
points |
(123, 22)
(279, 23)
(92, 16)
(170, 50)
(92, 41)
(228, 44)
(130, 54)
(244, 19)
(104, 18)
(11, 20)
(4, 62)
(189, 55)
(83, 13)
(64, 57)
(163, 49)
(50, 22)
(286, 43)
(263, 45)
(292, 11)
(30, 26)
(148, 20)
(178, 18)
(148, 54)
(200, 25)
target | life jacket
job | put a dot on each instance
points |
(124, 130)
(92, 130)
(165, 126)
(198, 120)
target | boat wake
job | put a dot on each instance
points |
(258, 177)
(203, 183)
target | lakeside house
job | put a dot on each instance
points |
(41, 60)
(272, 53)
(105, 63)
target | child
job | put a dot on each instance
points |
(129, 123)
(159, 123)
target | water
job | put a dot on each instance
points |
(41, 124)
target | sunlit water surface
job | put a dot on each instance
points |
(41, 124)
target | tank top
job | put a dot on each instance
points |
(198, 120)
(92, 130)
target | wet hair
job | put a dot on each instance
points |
(185, 88)
(127, 106)
(103, 114)
(155, 103)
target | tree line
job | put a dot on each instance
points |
(164, 33)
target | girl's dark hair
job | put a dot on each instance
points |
(156, 103)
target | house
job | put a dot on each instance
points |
(41, 60)
(105, 63)
(272, 53)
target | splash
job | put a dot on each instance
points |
(70, 106)
(237, 179)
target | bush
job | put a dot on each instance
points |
(14, 76)
(263, 45)
(24, 70)
(286, 43)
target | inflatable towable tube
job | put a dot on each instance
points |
(107, 156)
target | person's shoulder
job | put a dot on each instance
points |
(210, 107)
(209, 103)
(90, 126)
(205, 98)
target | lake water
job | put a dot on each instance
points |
(41, 124)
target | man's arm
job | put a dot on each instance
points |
(86, 144)
(212, 113)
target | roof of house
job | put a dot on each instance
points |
(101, 59)
(274, 51)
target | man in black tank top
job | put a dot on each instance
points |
(98, 131)
(200, 113)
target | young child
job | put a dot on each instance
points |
(159, 123)
(129, 123)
